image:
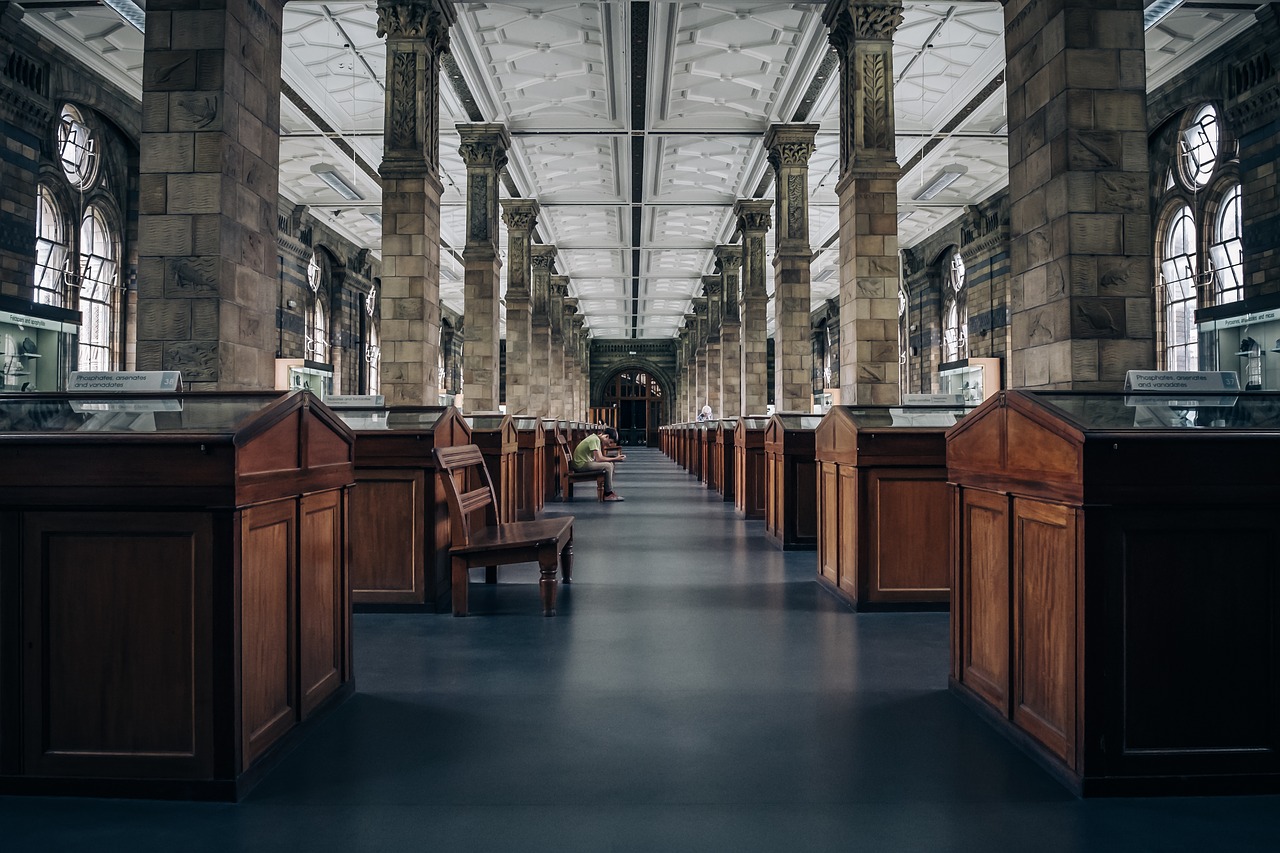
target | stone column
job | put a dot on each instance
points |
(862, 34)
(559, 289)
(789, 147)
(729, 262)
(682, 385)
(700, 352)
(754, 222)
(690, 334)
(581, 393)
(520, 214)
(209, 165)
(1081, 256)
(484, 150)
(712, 289)
(541, 260)
(417, 33)
(569, 332)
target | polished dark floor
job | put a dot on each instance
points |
(698, 691)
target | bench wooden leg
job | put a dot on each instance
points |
(600, 488)
(566, 562)
(460, 582)
(547, 580)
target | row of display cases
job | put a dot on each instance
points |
(1107, 557)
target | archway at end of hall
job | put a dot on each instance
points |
(641, 402)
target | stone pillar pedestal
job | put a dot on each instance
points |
(417, 33)
(728, 263)
(208, 180)
(1081, 260)
(541, 259)
(862, 34)
(790, 146)
(484, 150)
(559, 289)
(754, 222)
(520, 214)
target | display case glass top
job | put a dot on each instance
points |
(1252, 410)
(483, 421)
(214, 412)
(881, 417)
(797, 421)
(393, 417)
(527, 422)
(753, 422)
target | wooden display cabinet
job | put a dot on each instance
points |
(884, 506)
(550, 464)
(1116, 608)
(174, 604)
(698, 450)
(531, 471)
(400, 535)
(748, 466)
(726, 433)
(791, 481)
(495, 434)
(711, 440)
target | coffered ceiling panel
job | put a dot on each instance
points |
(586, 226)
(593, 263)
(730, 65)
(574, 168)
(545, 65)
(687, 230)
(943, 55)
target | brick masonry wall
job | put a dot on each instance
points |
(982, 238)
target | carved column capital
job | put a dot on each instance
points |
(790, 144)
(484, 150)
(728, 258)
(484, 146)
(862, 33)
(427, 21)
(520, 214)
(753, 214)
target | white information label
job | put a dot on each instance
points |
(933, 399)
(125, 381)
(355, 401)
(1208, 381)
(37, 322)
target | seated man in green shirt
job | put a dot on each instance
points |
(589, 456)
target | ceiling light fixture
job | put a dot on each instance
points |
(940, 182)
(330, 176)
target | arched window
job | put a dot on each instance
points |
(51, 250)
(317, 332)
(99, 278)
(77, 148)
(902, 334)
(955, 319)
(1199, 143)
(372, 347)
(1227, 252)
(1178, 275)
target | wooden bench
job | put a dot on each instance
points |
(548, 541)
(568, 476)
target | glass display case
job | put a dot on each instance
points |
(531, 471)
(1245, 337)
(495, 434)
(974, 379)
(201, 539)
(1126, 544)
(748, 465)
(296, 373)
(400, 535)
(884, 507)
(38, 346)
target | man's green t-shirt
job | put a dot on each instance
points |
(585, 451)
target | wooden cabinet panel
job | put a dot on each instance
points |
(117, 621)
(850, 531)
(388, 555)
(984, 596)
(267, 572)
(1045, 614)
(1199, 633)
(322, 588)
(802, 502)
(829, 510)
(910, 528)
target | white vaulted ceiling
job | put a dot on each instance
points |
(637, 125)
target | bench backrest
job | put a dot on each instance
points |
(469, 489)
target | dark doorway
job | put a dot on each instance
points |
(637, 398)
